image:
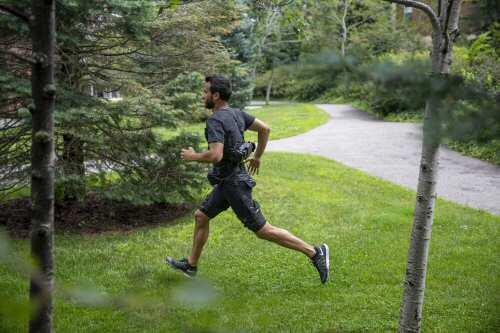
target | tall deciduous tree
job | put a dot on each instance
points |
(444, 23)
(273, 35)
(343, 25)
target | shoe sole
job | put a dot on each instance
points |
(178, 269)
(327, 251)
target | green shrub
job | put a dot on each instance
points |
(489, 151)
(479, 62)
(473, 127)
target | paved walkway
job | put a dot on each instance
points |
(391, 151)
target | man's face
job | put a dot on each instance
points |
(208, 98)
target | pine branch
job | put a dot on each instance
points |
(117, 54)
(125, 70)
(19, 56)
(16, 11)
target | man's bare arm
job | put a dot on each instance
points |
(213, 155)
(263, 131)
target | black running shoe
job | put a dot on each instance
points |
(182, 265)
(321, 261)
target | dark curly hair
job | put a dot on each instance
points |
(220, 84)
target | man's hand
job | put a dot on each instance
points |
(188, 154)
(253, 165)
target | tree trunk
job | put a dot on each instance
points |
(411, 309)
(73, 153)
(344, 28)
(74, 167)
(269, 85)
(394, 16)
(42, 165)
(416, 271)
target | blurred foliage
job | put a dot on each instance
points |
(188, 294)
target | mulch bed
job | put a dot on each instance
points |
(91, 216)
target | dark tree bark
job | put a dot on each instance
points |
(42, 164)
(73, 153)
(73, 165)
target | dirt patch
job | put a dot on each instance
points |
(91, 216)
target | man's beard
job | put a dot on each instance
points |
(209, 104)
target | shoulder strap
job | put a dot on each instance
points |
(239, 125)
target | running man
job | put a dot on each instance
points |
(232, 182)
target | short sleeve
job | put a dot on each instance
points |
(214, 131)
(249, 119)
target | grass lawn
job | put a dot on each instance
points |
(248, 285)
(285, 121)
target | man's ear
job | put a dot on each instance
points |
(215, 96)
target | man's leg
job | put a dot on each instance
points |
(200, 236)
(211, 207)
(249, 212)
(285, 238)
(239, 195)
(319, 255)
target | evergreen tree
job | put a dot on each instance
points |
(144, 50)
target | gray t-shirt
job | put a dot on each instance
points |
(227, 126)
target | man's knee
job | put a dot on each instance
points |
(201, 218)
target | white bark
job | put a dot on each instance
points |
(343, 25)
(269, 85)
(271, 23)
(416, 271)
(445, 30)
(394, 16)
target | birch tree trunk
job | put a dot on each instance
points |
(269, 85)
(42, 164)
(394, 16)
(343, 24)
(445, 31)
(271, 23)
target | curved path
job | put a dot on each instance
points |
(391, 151)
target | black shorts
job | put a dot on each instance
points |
(236, 194)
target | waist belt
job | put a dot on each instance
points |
(213, 179)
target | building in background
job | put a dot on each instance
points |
(109, 94)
